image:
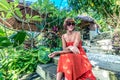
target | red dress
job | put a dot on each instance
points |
(75, 66)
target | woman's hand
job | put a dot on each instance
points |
(53, 54)
(74, 49)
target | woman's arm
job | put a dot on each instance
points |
(57, 52)
(77, 39)
(65, 49)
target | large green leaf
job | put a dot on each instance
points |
(36, 18)
(18, 13)
(1, 76)
(2, 33)
(43, 54)
(4, 42)
(4, 5)
(18, 38)
(40, 2)
(39, 26)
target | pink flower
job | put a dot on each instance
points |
(55, 28)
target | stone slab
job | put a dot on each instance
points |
(108, 62)
(47, 71)
(102, 74)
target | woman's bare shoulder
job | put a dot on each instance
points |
(63, 35)
(77, 32)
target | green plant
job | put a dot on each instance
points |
(116, 41)
(18, 38)
(17, 62)
(51, 40)
(43, 54)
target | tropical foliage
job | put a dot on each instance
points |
(106, 12)
(16, 62)
(18, 59)
(101, 6)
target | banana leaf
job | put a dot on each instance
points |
(18, 38)
(4, 42)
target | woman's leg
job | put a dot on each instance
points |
(59, 76)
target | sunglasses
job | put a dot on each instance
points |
(73, 24)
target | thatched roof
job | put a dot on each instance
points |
(17, 24)
(85, 21)
(85, 18)
(10, 1)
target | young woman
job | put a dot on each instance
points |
(73, 63)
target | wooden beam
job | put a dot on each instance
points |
(5, 23)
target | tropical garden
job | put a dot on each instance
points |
(29, 33)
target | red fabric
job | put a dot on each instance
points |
(75, 66)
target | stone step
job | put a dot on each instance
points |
(96, 49)
(32, 76)
(107, 62)
(55, 60)
(48, 72)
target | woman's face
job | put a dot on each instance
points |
(70, 26)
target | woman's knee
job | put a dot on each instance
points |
(59, 76)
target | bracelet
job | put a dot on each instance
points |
(71, 48)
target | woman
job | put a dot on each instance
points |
(73, 63)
